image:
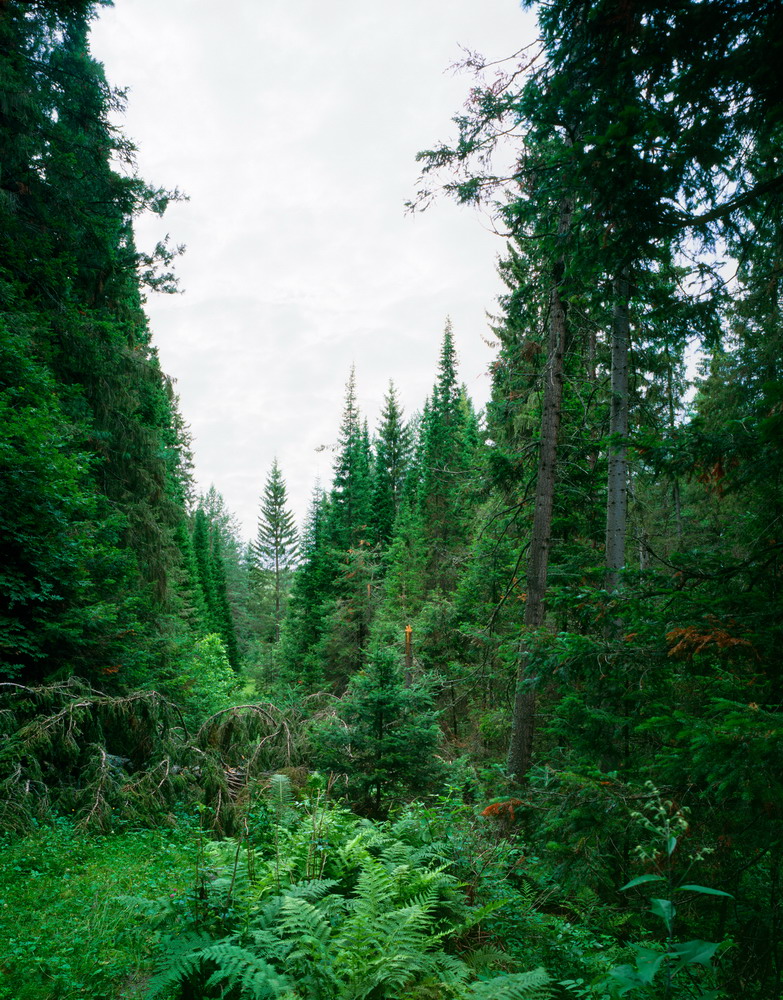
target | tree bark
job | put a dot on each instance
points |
(520, 751)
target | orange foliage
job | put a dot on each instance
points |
(502, 810)
(685, 643)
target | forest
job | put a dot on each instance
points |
(503, 720)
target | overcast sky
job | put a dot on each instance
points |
(293, 126)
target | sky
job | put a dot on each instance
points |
(293, 126)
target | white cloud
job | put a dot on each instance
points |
(293, 126)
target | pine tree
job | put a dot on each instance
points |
(446, 438)
(276, 544)
(351, 494)
(392, 461)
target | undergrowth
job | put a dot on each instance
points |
(66, 934)
(314, 902)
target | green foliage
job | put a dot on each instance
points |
(91, 453)
(383, 737)
(274, 553)
(447, 444)
(392, 461)
(104, 760)
(535, 985)
(206, 684)
(64, 927)
(371, 919)
(207, 550)
(667, 825)
(80, 752)
(313, 586)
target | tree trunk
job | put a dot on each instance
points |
(617, 488)
(520, 750)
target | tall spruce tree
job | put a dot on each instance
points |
(392, 461)
(312, 592)
(208, 553)
(447, 436)
(351, 493)
(276, 544)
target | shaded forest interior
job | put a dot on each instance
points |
(503, 720)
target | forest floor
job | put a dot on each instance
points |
(69, 928)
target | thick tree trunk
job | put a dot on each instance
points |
(617, 487)
(524, 714)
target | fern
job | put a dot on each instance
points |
(315, 889)
(200, 965)
(534, 985)
(182, 963)
(279, 792)
(485, 958)
(371, 927)
(239, 968)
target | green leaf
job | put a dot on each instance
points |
(665, 909)
(648, 961)
(670, 845)
(694, 952)
(706, 891)
(641, 880)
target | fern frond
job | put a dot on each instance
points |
(485, 958)
(301, 919)
(182, 961)
(313, 890)
(533, 985)
(239, 968)
(279, 791)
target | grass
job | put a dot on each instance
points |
(67, 933)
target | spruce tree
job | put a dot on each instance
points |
(276, 544)
(207, 550)
(71, 301)
(446, 455)
(351, 493)
(392, 460)
(312, 594)
(384, 738)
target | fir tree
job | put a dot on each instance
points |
(392, 461)
(385, 738)
(276, 544)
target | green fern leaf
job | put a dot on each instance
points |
(533, 985)
(181, 963)
(239, 968)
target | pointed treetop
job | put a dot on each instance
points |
(277, 540)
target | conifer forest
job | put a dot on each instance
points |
(503, 719)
